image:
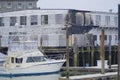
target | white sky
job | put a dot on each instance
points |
(90, 5)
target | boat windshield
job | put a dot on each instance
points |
(35, 59)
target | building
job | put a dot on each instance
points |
(15, 5)
(48, 25)
(45, 24)
(107, 21)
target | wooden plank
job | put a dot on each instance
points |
(90, 76)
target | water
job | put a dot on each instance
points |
(41, 77)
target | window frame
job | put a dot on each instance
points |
(44, 19)
(1, 21)
(34, 19)
(23, 20)
(11, 21)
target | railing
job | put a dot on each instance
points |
(56, 56)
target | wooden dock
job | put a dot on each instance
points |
(91, 76)
(91, 69)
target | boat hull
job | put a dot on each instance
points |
(51, 67)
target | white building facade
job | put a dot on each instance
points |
(46, 26)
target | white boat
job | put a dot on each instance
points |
(25, 59)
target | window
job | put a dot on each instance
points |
(110, 37)
(30, 5)
(23, 20)
(12, 59)
(35, 59)
(1, 21)
(0, 6)
(107, 20)
(19, 5)
(12, 21)
(98, 20)
(88, 19)
(9, 5)
(59, 18)
(44, 19)
(116, 20)
(94, 37)
(79, 19)
(19, 60)
(34, 20)
(116, 37)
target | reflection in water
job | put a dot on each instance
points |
(41, 77)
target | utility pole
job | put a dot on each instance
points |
(119, 42)
(68, 22)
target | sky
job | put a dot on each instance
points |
(90, 5)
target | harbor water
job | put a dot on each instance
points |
(40, 77)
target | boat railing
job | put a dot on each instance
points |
(56, 56)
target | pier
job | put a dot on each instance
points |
(92, 76)
(86, 56)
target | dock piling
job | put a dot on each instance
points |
(102, 52)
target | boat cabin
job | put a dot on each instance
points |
(22, 61)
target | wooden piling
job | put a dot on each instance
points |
(76, 52)
(92, 56)
(109, 52)
(102, 52)
(83, 59)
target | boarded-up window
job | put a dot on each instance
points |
(98, 20)
(12, 21)
(107, 20)
(116, 20)
(34, 19)
(88, 19)
(79, 19)
(44, 19)
(59, 18)
(1, 21)
(23, 20)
